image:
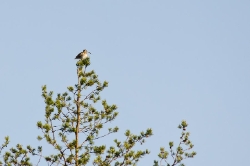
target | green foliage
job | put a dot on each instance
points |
(72, 112)
(19, 155)
(180, 153)
(4, 145)
(72, 126)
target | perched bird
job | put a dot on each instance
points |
(83, 54)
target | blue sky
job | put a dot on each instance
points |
(165, 61)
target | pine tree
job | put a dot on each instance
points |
(72, 126)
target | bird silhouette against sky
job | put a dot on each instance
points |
(83, 54)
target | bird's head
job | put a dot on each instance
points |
(85, 51)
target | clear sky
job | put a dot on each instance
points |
(165, 61)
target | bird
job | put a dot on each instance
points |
(82, 55)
